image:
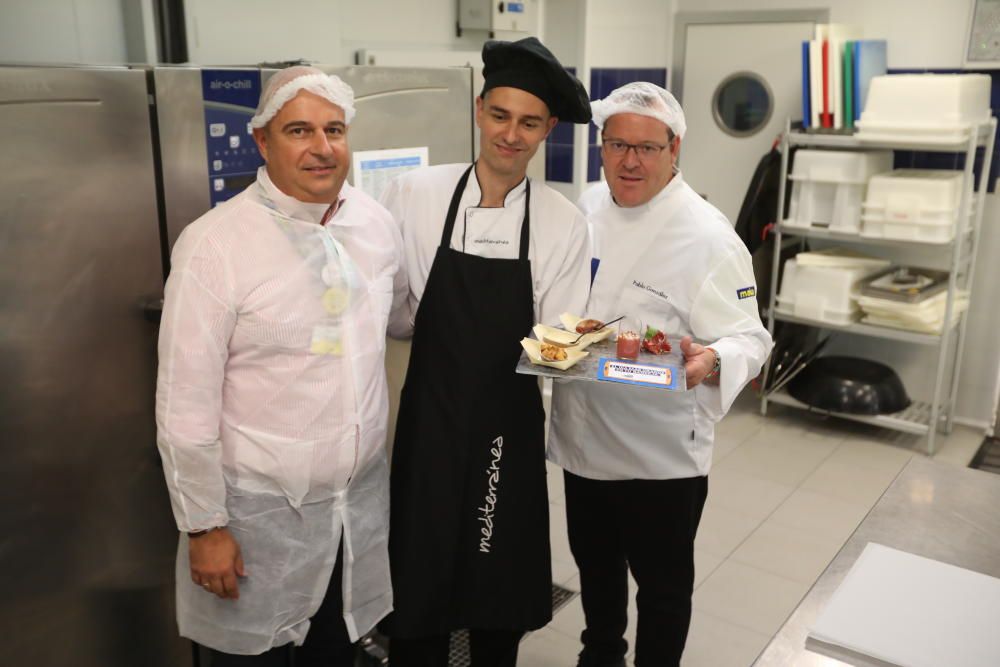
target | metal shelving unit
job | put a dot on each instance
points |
(866, 330)
(920, 416)
(843, 237)
(915, 419)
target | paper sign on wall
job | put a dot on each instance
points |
(373, 170)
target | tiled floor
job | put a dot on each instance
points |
(785, 492)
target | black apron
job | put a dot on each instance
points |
(469, 524)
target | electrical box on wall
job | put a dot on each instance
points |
(495, 15)
(983, 37)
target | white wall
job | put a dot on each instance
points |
(390, 24)
(560, 29)
(245, 32)
(928, 33)
(979, 390)
(62, 31)
(629, 33)
(140, 31)
(326, 31)
(564, 32)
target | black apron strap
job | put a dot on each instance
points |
(526, 223)
(456, 198)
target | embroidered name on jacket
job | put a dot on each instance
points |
(490, 501)
(493, 241)
(650, 289)
(746, 292)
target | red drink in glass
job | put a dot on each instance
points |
(628, 344)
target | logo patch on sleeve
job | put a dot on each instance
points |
(746, 292)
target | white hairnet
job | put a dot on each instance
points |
(645, 99)
(286, 84)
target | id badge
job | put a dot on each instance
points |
(327, 339)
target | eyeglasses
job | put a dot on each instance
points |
(644, 151)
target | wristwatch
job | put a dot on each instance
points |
(718, 364)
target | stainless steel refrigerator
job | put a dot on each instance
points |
(85, 533)
(100, 169)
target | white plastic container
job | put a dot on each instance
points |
(924, 108)
(828, 187)
(837, 257)
(919, 205)
(924, 317)
(824, 294)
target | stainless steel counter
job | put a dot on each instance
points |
(936, 510)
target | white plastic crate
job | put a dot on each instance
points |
(919, 205)
(916, 231)
(828, 187)
(824, 294)
(924, 108)
(924, 317)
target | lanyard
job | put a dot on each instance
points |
(339, 270)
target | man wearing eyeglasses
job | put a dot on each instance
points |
(636, 460)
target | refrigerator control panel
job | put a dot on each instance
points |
(230, 97)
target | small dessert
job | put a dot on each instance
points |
(655, 341)
(552, 352)
(587, 326)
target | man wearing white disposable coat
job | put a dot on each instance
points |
(636, 460)
(271, 398)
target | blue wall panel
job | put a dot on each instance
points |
(602, 82)
(559, 150)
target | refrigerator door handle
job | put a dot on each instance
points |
(152, 308)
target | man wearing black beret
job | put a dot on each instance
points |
(489, 252)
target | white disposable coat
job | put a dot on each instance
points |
(271, 408)
(677, 264)
(559, 250)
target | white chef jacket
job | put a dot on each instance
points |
(271, 408)
(676, 264)
(559, 248)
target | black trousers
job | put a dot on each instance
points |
(327, 644)
(648, 527)
(489, 648)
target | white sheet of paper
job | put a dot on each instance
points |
(373, 170)
(896, 608)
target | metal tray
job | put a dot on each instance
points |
(922, 284)
(590, 367)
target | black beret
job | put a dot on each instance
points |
(527, 65)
